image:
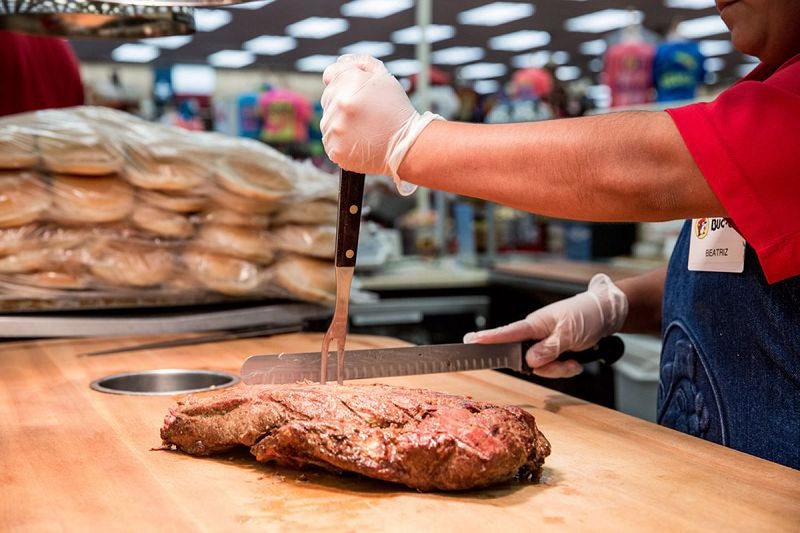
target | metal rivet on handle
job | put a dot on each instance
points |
(353, 209)
(349, 254)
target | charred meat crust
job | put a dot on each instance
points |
(423, 439)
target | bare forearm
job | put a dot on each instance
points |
(645, 295)
(618, 167)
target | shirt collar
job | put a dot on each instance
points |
(763, 72)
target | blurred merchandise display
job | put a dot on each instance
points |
(678, 70)
(629, 69)
(249, 118)
(590, 241)
(636, 66)
(285, 117)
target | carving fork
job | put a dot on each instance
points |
(348, 224)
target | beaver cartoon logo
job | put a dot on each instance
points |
(701, 228)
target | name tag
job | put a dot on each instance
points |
(715, 246)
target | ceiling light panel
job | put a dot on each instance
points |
(317, 27)
(457, 55)
(370, 48)
(495, 13)
(413, 34)
(170, 43)
(376, 9)
(135, 53)
(605, 20)
(701, 27)
(596, 65)
(519, 40)
(533, 60)
(403, 67)
(270, 45)
(231, 59)
(593, 48)
(479, 71)
(211, 19)
(315, 63)
(560, 57)
(714, 64)
(486, 86)
(598, 91)
(715, 47)
(193, 79)
(568, 73)
(689, 4)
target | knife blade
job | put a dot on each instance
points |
(412, 360)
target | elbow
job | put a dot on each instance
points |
(659, 187)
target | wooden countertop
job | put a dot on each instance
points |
(73, 459)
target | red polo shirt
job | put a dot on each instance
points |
(37, 73)
(747, 145)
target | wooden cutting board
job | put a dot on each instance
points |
(73, 459)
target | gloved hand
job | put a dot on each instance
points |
(368, 123)
(573, 324)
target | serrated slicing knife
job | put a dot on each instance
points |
(411, 360)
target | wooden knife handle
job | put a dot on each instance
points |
(608, 351)
(348, 222)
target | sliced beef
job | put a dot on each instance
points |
(426, 440)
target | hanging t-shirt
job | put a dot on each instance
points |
(249, 120)
(315, 131)
(678, 70)
(286, 115)
(746, 144)
(37, 73)
(629, 72)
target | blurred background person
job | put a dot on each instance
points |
(37, 73)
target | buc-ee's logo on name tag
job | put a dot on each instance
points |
(715, 246)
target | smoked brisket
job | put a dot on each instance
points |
(424, 439)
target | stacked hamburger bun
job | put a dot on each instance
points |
(94, 200)
(17, 150)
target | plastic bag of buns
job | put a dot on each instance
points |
(96, 204)
(309, 278)
(17, 149)
(312, 241)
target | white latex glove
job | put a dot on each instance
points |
(368, 123)
(573, 324)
